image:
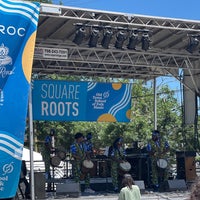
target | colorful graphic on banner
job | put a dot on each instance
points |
(81, 101)
(17, 40)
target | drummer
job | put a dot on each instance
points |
(158, 149)
(79, 152)
(117, 155)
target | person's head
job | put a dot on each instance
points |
(118, 142)
(195, 190)
(127, 181)
(89, 136)
(155, 135)
(52, 132)
(79, 137)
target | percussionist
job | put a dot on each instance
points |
(79, 153)
(117, 155)
(158, 148)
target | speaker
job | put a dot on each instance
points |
(39, 182)
(141, 185)
(186, 168)
(71, 189)
(173, 185)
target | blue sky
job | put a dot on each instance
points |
(183, 9)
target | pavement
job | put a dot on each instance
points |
(147, 195)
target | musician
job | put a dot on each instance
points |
(117, 155)
(89, 145)
(47, 150)
(158, 149)
(79, 153)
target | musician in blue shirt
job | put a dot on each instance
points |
(79, 151)
(158, 148)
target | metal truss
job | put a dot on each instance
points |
(125, 19)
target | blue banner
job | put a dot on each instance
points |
(81, 101)
(18, 25)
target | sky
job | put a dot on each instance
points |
(179, 9)
(182, 9)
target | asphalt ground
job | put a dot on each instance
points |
(147, 195)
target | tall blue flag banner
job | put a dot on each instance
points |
(81, 101)
(18, 25)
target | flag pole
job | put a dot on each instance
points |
(31, 145)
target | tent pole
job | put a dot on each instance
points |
(31, 145)
(155, 104)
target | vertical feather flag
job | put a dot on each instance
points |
(18, 26)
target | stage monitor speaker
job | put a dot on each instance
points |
(141, 185)
(174, 185)
(71, 189)
(39, 184)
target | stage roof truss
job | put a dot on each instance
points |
(167, 54)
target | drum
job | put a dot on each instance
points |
(87, 166)
(162, 163)
(124, 167)
(93, 172)
(55, 161)
(60, 152)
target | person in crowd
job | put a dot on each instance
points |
(158, 149)
(117, 155)
(79, 153)
(129, 190)
(47, 150)
(195, 190)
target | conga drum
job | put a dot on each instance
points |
(93, 172)
(124, 167)
(61, 153)
(55, 161)
(87, 166)
(162, 163)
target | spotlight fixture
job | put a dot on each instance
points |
(133, 41)
(106, 39)
(145, 41)
(193, 44)
(121, 37)
(94, 38)
(80, 34)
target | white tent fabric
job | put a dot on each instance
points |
(26, 155)
(38, 163)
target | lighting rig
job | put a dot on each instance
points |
(122, 36)
(193, 43)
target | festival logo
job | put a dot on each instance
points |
(4, 70)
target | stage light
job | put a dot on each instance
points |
(80, 34)
(121, 37)
(133, 41)
(193, 44)
(145, 41)
(94, 38)
(106, 39)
